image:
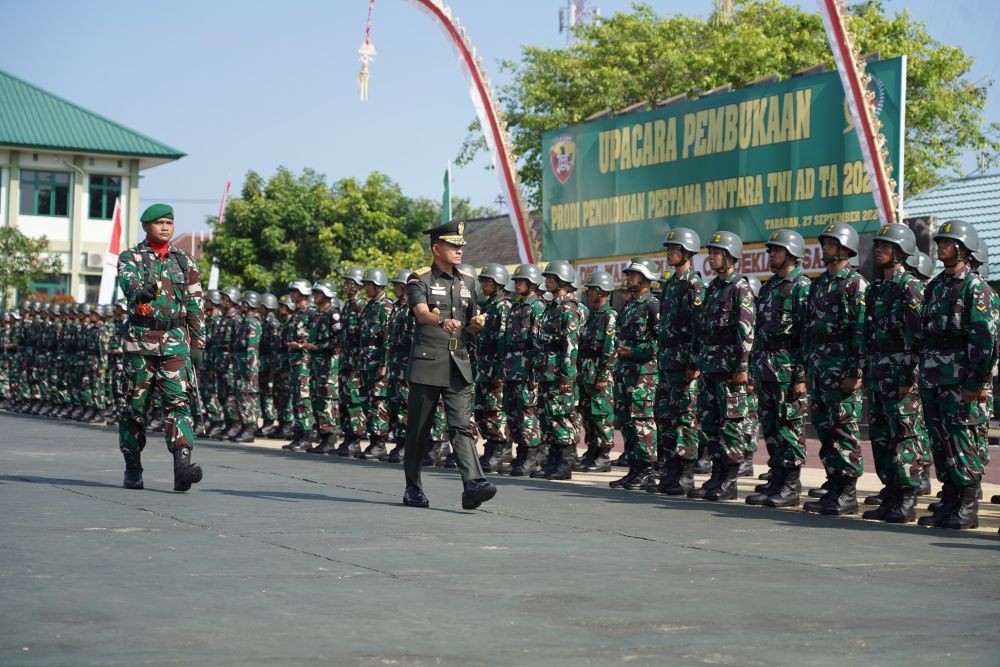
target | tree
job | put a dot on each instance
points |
(23, 260)
(299, 227)
(630, 57)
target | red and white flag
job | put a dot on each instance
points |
(109, 277)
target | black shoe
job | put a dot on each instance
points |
(702, 466)
(764, 491)
(349, 448)
(902, 510)
(477, 492)
(396, 455)
(878, 498)
(414, 497)
(709, 484)
(787, 494)
(627, 479)
(966, 512)
(245, 435)
(644, 477)
(943, 509)
(821, 491)
(726, 490)
(845, 501)
(133, 471)
(995, 500)
(326, 445)
(746, 467)
(375, 451)
(185, 472)
(586, 460)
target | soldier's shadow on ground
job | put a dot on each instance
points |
(796, 517)
(62, 481)
(292, 497)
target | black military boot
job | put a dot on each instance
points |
(821, 491)
(396, 455)
(374, 451)
(764, 476)
(494, 462)
(350, 447)
(220, 433)
(214, 429)
(786, 495)
(925, 484)
(710, 483)
(302, 443)
(764, 491)
(702, 466)
(185, 472)
(726, 490)
(285, 430)
(886, 499)
(551, 456)
(45, 410)
(645, 477)
(903, 507)
(450, 461)
(966, 512)
(995, 500)
(830, 485)
(244, 436)
(484, 459)
(586, 460)
(629, 477)
(326, 445)
(521, 466)
(844, 501)
(133, 471)
(622, 461)
(233, 430)
(75, 415)
(601, 463)
(684, 480)
(668, 472)
(942, 509)
(878, 498)
(746, 466)
(444, 450)
(565, 457)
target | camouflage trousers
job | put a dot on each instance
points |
(677, 416)
(723, 408)
(399, 398)
(298, 382)
(597, 414)
(375, 392)
(166, 376)
(751, 425)
(782, 419)
(208, 379)
(283, 397)
(892, 428)
(325, 380)
(352, 411)
(635, 396)
(955, 434)
(520, 402)
(491, 420)
(248, 385)
(266, 389)
(119, 384)
(835, 416)
(558, 403)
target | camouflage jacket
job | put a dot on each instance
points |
(373, 333)
(726, 326)
(246, 341)
(352, 329)
(226, 339)
(114, 342)
(959, 332)
(682, 300)
(270, 342)
(490, 339)
(598, 348)
(326, 330)
(212, 338)
(558, 341)
(400, 338)
(892, 331)
(835, 330)
(176, 305)
(297, 331)
(523, 324)
(637, 326)
(281, 354)
(782, 311)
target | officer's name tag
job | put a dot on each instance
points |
(438, 291)
(466, 293)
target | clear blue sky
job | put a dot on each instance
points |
(254, 85)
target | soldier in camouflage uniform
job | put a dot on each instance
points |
(724, 342)
(400, 335)
(520, 391)
(921, 266)
(246, 351)
(958, 348)
(751, 425)
(281, 358)
(326, 347)
(834, 362)
(163, 291)
(226, 360)
(208, 374)
(779, 369)
(892, 338)
(299, 360)
(6, 348)
(489, 414)
(373, 333)
(677, 390)
(270, 341)
(117, 351)
(555, 369)
(595, 376)
(637, 374)
(352, 415)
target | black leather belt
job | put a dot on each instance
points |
(155, 324)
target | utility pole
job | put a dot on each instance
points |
(573, 14)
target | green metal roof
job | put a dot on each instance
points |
(975, 199)
(34, 118)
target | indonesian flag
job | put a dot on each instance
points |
(109, 278)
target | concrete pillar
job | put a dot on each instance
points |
(76, 231)
(14, 189)
(131, 221)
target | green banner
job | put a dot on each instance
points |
(765, 157)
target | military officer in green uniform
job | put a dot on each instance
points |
(444, 305)
(163, 291)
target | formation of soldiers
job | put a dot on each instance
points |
(689, 372)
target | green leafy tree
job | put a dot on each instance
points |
(298, 226)
(23, 260)
(635, 56)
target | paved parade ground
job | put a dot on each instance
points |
(292, 559)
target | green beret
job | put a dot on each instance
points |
(157, 211)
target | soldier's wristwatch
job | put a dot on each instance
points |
(441, 321)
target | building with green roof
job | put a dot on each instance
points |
(61, 169)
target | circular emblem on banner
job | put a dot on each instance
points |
(562, 156)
